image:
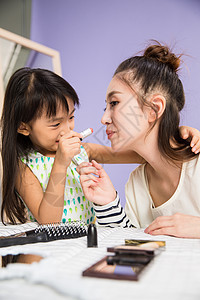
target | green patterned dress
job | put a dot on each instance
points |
(76, 207)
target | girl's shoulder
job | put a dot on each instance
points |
(82, 156)
(36, 157)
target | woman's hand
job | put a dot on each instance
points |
(189, 132)
(179, 225)
(69, 145)
(96, 184)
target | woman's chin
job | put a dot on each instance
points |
(117, 147)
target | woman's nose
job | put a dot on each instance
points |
(106, 118)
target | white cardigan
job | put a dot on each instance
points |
(139, 207)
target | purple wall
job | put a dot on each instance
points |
(93, 37)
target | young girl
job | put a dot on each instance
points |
(164, 192)
(38, 144)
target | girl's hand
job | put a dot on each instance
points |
(179, 225)
(98, 189)
(189, 132)
(69, 145)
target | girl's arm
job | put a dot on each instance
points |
(193, 134)
(47, 207)
(105, 155)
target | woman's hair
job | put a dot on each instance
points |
(156, 71)
(29, 92)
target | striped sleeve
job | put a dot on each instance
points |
(112, 214)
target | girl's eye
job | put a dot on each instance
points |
(71, 118)
(56, 125)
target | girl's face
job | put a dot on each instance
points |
(45, 132)
(126, 122)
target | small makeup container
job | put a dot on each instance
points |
(84, 134)
(92, 236)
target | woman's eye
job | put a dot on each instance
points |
(72, 117)
(113, 103)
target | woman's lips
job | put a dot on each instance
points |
(109, 133)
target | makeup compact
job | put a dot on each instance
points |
(127, 261)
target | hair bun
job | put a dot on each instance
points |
(164, 55)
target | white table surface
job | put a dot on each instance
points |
(173, 274)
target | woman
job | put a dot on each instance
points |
(144, 100)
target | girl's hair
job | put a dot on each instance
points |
(29, 92)
(156, 71)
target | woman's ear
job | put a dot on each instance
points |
(24, 129)
(159, 104)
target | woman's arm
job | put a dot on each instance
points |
(112, 214)
(105, 155)
(179, 225)
(96, 184)
(100, 190)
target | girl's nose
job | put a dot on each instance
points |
(65, 127)
(62, 133)
(71, 126)
(106, 118)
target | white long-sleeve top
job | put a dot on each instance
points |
(139, 208)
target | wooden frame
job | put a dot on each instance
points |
(55, 55)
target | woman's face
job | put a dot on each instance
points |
(126, 123)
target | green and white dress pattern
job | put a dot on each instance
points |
(76, 206)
